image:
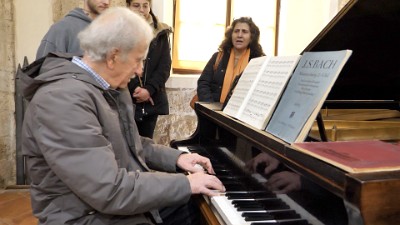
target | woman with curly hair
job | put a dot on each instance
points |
(241, 44)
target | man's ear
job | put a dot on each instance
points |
(112, 58)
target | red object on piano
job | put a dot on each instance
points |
(355, 156)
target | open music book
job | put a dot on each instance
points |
(305, 94)
(271, 97)
(259, 88)
(355, 156)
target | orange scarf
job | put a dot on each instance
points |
(232, 71)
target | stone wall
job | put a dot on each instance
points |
(181, 122)
(7, 71)
(62, 7)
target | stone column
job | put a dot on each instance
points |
(7, 108)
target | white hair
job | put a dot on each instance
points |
(116, 28)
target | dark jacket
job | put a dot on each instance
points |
(209, 84)
(86, 160)
(62, 36)
(156, 73)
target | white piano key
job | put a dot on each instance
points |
(226, 210)
(183, 149)
(231, 216)
(300, 210)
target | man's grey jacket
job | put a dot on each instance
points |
(86, 160)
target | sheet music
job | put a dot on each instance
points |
(268, 90)
(305, 94)
(249, 76)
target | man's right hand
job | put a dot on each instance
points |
(202, 183)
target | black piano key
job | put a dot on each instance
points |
(249, 208)
(230, 177)
(272, 202)
(276, 215)
(234, 187)
(223, 173)
(201, 151)
(218, 167)
(248, 195)
(293, 222)
(252, 192)
(230, 181)
(245, 203)
(197, 149)
(248, 187)
(257, 216)
(256, 186)
(262, 201)
(213, 161)
(275, 204)
(287, 214)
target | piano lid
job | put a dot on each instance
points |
(371, 28)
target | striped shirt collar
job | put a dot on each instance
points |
(104, 84)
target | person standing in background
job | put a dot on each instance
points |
(62, 36)
(148, 92)
(241, 43)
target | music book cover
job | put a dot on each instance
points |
(305, 93)
(259, 88)
(355, 156)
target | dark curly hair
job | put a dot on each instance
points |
(254, 44)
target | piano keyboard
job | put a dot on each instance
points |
(246, 201)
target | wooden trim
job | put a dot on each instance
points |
(185, 71)
(228, 13)
(175, 56)
(277, 19)
(207, 213)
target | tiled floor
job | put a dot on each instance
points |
(15, 207)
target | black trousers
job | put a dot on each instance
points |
(147, 125)
(187, 214)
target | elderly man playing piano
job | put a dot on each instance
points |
(86, 160)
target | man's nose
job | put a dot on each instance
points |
(139, 70)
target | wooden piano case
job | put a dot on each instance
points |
(370, 198)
